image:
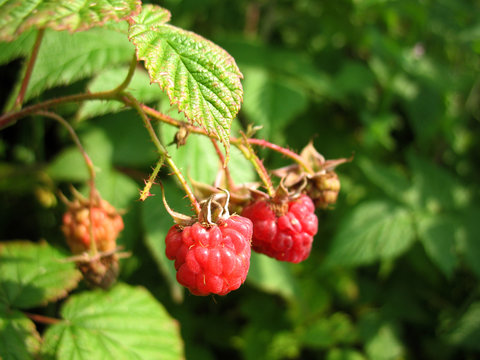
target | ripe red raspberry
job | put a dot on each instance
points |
(211, 258)
(106, 225)
(287, 236)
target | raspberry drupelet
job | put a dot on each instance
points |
(284, 234)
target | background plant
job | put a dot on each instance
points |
(394, 270)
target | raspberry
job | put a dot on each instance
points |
(211, 258)
(106, 225)
(287, 236)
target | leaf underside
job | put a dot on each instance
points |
(16, 16)
(198, 76)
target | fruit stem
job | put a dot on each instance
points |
(29, 70)
(145, 193)
(228, 176)
(163, 151)
(250, 155)
(91, 172)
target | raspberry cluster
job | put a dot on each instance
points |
(211, 258)
(283, 235)
(106, 225)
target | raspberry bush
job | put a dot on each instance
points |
(320, 158)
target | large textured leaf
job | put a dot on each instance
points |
(124, 323)
(18, 336)
(64, 58)
(17, 16)
(199, 77)
(22, 46)
(33, 274)
(373, 231)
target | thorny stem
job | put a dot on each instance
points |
(29, 70)
(42, 319)
(163, 152)
(151, 180)
(91, 171)
(250, 155)
(228, 176)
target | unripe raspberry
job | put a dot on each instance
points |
(284, 234)
(324, 189)
(211, 258)
(106, 225)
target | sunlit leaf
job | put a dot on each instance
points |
(17, 16)
(123, 323)
(199, 77)
(19, 338)
(34, 274)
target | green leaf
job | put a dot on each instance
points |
(391, 180)
(199, 160)
(156, 222)
(466, 331)
(438, 236)
(69, 165)
(198, 76)
(123, 323)
(272, 276)
(34, 274)
(64, 58)
(469, 244)
(375, 230)
(19, 338)
(327, 332)
(271, 101)
(108, 79)
(22, 46)
(16, 16)
(345, 354)
(380, 338)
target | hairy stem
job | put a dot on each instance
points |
(163, 152)
(250, 155)
(29, 70)
(151, 180)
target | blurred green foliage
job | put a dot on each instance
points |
(394, 270)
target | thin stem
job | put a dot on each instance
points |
(250, 155)
(90, 167)
(126, 82)
(228, 176)
(29, 70)
(42, 319)
(163, 152)
(151, 180)
(10, 117)
(289, 153)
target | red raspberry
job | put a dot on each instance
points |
(107, 224)
(211, 258)
(286, 237)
